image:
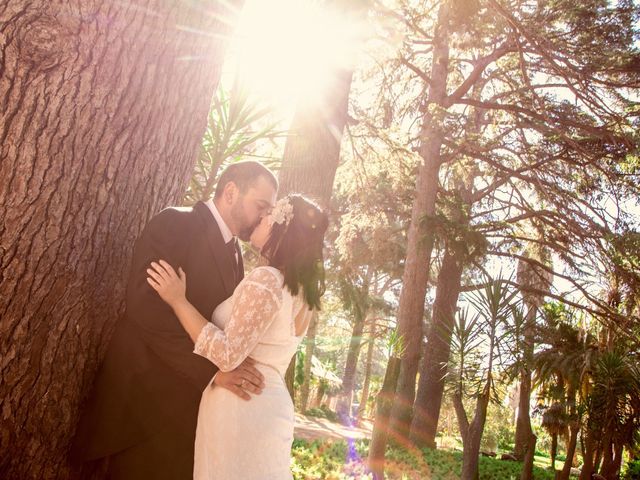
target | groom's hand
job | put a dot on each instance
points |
(243, 380)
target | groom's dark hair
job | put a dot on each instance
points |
(244, 174)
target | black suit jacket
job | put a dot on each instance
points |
(150, 378)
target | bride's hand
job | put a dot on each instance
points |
(171, 286)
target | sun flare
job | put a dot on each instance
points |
(286, 51)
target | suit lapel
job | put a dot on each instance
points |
(217, 246)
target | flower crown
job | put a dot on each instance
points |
(282, 212)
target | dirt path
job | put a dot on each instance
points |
(314, 428)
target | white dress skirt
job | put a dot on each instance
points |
(246, 440)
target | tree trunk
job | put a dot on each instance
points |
(471, 433)
(523, 422)
(471, 440)
(312, 151)
(618, 449)
(101, 118)
(554, 449)
(574, 428)
(588, 458)
(350, 370)
(420, 239)
(527, 466)
(431, 384)
(381, 428)
(322, 388)
(310, 344)
(364, 398)
(607, 449)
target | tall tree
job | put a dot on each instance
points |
(312, 151)
(462, 246)
(530, 277)
(102, 109)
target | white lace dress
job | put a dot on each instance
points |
(246, 440)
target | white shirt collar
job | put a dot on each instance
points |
(224, 228)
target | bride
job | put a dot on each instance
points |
(265, 319)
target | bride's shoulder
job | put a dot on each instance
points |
(269, 276)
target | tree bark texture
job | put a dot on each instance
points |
(312, 151)
(431, 384)
(384, 402)
(351, 367)
(523, 422)
(366, 383)
(527, 464)
(420, 240)
(574, 428)
(471, 452)
(588, 457)
(102, 109)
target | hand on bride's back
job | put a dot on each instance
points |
(171, 286)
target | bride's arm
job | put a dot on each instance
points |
(255, 305)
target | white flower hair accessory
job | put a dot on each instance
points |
(282, 212)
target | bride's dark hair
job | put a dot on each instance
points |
(296, 249)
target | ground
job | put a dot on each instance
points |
(316, 428)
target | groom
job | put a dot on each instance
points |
(143, 410)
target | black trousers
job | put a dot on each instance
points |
(167, 455)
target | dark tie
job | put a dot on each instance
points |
(232, 246)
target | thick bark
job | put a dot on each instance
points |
(420, 239)
(102, 109)
(431, 384)
(381, 429)
(366, 383)
(350, 370)
(309, 349)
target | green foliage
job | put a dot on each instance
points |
(300, 357)
(234, 126)
(632, 472)
(498, 430)
(323, 412)
(330, 460)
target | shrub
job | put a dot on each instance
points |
(632, 472)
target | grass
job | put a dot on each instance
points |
(336, 461)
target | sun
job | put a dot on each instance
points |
(285, 52)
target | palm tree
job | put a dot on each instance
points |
(614, 408)
(554, 421)
(563, 367)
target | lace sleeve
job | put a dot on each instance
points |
(255, 305)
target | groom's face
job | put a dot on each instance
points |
(251, 206)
